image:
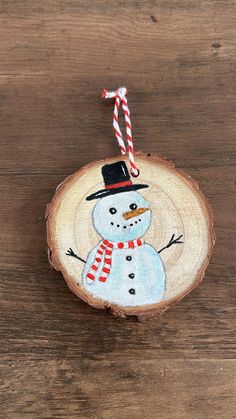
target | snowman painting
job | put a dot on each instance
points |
(122, 269)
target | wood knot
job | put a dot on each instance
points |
(153, 18)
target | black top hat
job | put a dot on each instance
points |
(117, 179)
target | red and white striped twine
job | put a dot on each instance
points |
(121, 100)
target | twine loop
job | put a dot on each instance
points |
(121, 100)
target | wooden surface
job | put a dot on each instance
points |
(61, 358)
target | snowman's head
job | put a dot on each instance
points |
(122, 217)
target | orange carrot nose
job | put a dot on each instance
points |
(134, 213)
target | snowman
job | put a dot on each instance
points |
(122, 269)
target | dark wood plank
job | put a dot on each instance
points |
(105, 388)
(59, 357)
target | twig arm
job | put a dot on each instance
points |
(172, 241)
(70, 252)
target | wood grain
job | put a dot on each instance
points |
(59, 357)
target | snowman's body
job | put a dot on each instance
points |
(137, 277)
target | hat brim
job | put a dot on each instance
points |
(105, 192)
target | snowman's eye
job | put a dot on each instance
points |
(133, 206)
(112, 210)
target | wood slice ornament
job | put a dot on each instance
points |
(133, 245)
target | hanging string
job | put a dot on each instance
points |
(121, 100)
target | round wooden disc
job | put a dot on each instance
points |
(178, 208)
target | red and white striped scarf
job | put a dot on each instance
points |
(103, 257)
